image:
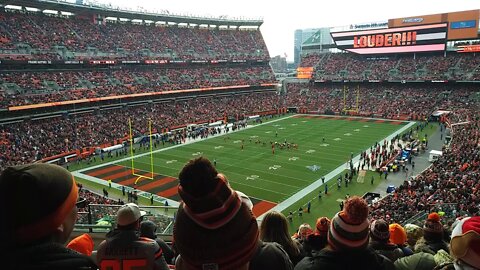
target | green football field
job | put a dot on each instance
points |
(324, 143)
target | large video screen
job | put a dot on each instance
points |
(423, 38)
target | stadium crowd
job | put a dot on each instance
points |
(230, 238)
(32, 140)
(48, 86)
(346, 66)
(452, 182)
(46, 37)
(378, 100)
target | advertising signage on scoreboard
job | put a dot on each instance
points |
(410, 39)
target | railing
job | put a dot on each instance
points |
(101, 217)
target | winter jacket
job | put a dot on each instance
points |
(391, 251)
(417, 261)
(46, 256)
(329, 259)
(147, 229)
(431, 247)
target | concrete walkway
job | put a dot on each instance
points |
(421, 164)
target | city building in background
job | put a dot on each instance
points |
(278, 64)
(300, 36)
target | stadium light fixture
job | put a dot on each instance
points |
(13, 7)
(49, 11)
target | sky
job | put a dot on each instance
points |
(282, 18)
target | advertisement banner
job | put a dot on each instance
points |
(304, 72)
(463, 24)
(423, 38)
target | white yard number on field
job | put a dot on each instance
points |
(274, 167)
(252, 177)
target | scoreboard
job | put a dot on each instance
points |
(410, 39)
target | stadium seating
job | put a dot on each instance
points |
(450, 180)
(35, 139)
(347, 66)
(38, 36)
(49, 86)
(378, 100)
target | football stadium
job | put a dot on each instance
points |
(133, 139)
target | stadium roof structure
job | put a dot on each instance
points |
(110, 11)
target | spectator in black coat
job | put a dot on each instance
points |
(38, 206)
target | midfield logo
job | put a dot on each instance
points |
(313, 168)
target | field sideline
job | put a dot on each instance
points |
(277, 180)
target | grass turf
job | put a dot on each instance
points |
(275, 177)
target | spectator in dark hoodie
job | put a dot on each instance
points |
(148, 229)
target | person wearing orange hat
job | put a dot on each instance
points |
(380, 240)
(433, 233)
(398, 236)
(318, 239)
(82, 244)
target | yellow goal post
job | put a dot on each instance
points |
(132, 157)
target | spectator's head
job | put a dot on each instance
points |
(414, 232)
(82, 244)
(213, 227)
(304, 230)
(379, 231)
(148, 229)
(274, 228)
(273, 225)
(40, 203)
(433, 229)
(465, 243)
(349, 227)
(318, 240)
(322, 225)
(398, 236)
(129, 217)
